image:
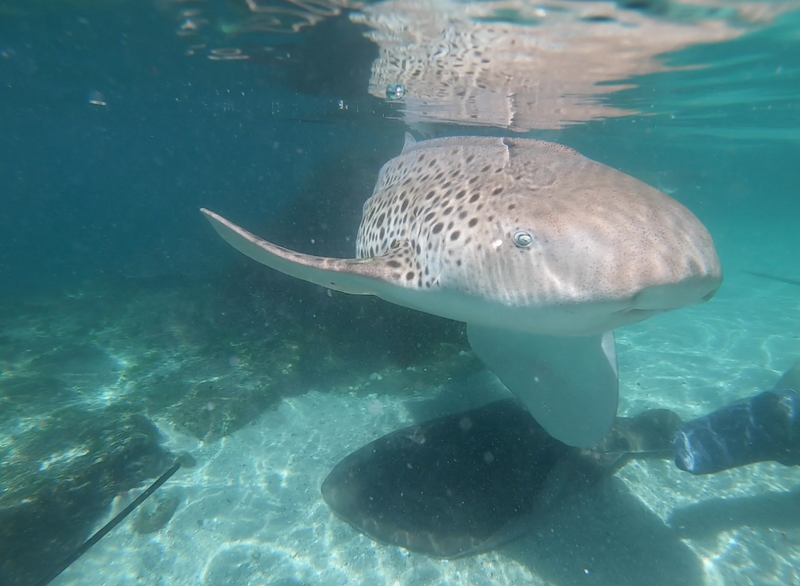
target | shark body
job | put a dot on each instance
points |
(540, 250)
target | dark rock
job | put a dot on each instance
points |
(59, 484)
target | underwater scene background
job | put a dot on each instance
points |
(132, 335)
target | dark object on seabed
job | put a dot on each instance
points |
(73, 557)
(763, 428)
(473, 481)
(470, 482)
(790, 378)
(47, 512)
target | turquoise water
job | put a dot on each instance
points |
(130, 333)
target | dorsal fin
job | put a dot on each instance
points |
(409, 142)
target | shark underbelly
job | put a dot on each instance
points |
(563, 319)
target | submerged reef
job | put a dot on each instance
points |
(84, 374)
(58, 483)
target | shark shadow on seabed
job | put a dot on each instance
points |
(491, 478)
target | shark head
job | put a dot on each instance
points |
(533, 235)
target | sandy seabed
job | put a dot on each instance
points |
(251, 512)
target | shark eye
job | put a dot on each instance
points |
(523, 239)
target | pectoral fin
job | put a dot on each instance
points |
(369, 276)
(569, 384)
